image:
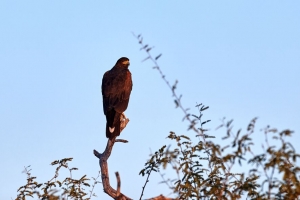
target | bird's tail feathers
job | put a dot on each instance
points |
(113, 127)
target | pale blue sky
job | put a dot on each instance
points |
(239, 57)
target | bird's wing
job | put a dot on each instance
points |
(106, 83)
(116, 89)
(124, 92)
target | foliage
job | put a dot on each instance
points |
(70, 188)
(205, 169)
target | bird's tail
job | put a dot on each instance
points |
(113, 125)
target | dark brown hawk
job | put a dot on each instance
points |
(116, 89)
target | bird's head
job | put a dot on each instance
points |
(123, 62)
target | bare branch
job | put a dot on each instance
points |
(118, 184)
(115, 194)
(121, 140)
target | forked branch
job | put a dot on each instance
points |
(115, 194)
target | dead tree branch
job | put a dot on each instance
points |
(115, 194)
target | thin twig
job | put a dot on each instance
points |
(147, 180)
(177, 98)
(94, 184)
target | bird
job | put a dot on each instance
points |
(116, 88)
